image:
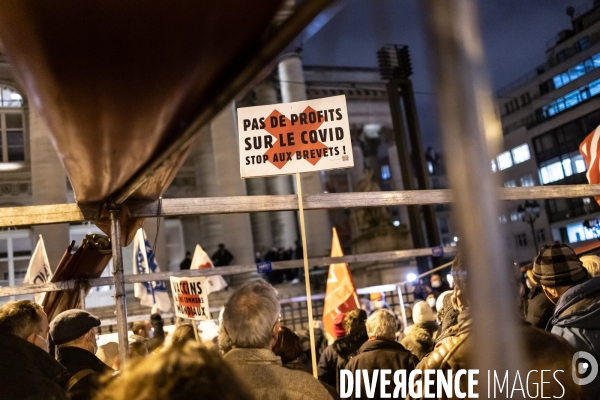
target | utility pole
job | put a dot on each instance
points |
(395, 67)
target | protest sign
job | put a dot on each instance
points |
(190, 297)
(304, 136)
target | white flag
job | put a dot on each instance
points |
(149, 293)
(202, 260)
(39, 269)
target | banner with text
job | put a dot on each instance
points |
(190, 297)
(304, 136)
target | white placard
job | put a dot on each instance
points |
(304, 136)
(190, 297)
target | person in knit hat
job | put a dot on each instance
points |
(420, 337)
(336, 356)
(567, 284)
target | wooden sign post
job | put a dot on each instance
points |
(290, 138)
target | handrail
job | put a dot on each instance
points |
(231, 270)
(61, 213)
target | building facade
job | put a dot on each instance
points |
(31, 173)
(545, 116)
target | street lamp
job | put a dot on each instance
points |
(530, 212)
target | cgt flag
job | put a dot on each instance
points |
(202, 260)
(340, 295)
(589, 150)
(39, 269)
(149, 293)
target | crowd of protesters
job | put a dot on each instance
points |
(256, 357)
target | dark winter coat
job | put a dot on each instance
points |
(538, 309)
(336, 356)
(379, 355)
(577, 319)
(29, 373)
(74, 360)
(420, 339)
(542, 351)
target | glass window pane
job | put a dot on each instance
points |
(568, 170)
(565, 78)
(504, 160)
(555, 172)
(557, 81)
(576, 71)
(589, 65)
(16, 154)
(14, 138)
(596, 60)
(14, 121)
(521, 153)
(527, 180)
(572, 99)
(594, 87)
(560, 105)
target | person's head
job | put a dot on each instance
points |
(221, 246)
(592, 264)
(75, 328)
(183, 333)
(377, 300)
(288, 345)
(251, 316)
(439, 305)
(188, 254)
(142, 328)
(107, 353)
(27, 320)
(183, 371)
(436, 281)
(422, 313)
(557, 268)
(354, 321)
(381, 325)
(138, 346)
(431, 300)
(459, 277)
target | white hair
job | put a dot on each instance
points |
(592, 264)
(381, 324)
(250, 315)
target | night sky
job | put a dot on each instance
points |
(515, 33)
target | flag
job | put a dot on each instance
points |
(340, 295)
(149, 293)
(202, 260)
(39, 269)
(589, 150)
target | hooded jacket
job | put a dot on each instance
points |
(29, 373)
(380, 354)
(577, 317)
(336, 356)
(420, 338)
(542, 351)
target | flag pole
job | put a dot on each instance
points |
(196, 334)
(311, 331)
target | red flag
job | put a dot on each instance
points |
(340, 295)
(589, 150)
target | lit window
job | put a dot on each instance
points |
(579, 164)
(551, 173)
(594, 87)
(566, 164)
(502, 219)
(578, 232)
(10, 98)
(521, 153)
(527, 180)
(514, 216)
(504, 161)
(510, 183)
(385, 172)
(494, 168)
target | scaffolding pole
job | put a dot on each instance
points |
(119, 281)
